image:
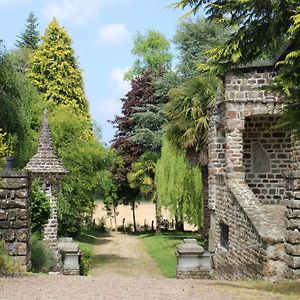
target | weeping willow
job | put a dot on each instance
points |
(179, 185)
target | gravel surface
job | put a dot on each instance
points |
(113, 286)
(122, 270)
(123, 254)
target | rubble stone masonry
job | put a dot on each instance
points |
(247, 194)
(15, 216)
(266, 158)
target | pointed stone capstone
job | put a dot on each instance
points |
(44, 161)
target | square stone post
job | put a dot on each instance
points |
(234, 127)
(292, 214)
(292, 231)
(45, 166)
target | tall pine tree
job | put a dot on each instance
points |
(55, 72)
(30, 37)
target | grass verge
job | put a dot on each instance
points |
(283, 290)
(162, 249)
(87, 239)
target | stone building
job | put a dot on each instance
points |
(45, 166)
(254, 182)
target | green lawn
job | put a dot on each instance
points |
(87, 239)
(162, 249)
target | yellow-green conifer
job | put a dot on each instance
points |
(55, 72)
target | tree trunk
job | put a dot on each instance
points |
(158, 217)
(133, 215)
(115, 217)
(179, 225)
(206, 210)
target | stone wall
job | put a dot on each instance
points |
(266, 157)
(256, 236)
(245, 255)
(15, 216)
(292, 232)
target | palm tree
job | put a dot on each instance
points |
(142, 177)
(188, 123)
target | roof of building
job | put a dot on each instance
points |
(44, 161)
(268, 63)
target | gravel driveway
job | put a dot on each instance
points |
(122, 270)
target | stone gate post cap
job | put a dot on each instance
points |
(66, 239)
(192, 241)
(68, 245)
(190, 246)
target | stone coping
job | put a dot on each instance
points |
(14, 174)
(267, 226)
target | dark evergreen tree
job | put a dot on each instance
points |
(130, 151)
(30, 37)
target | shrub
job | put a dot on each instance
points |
(100, 226)
(3, 148)
(85, 260)
(7, 263)
(43, 257)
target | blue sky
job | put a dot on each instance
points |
(102, 33)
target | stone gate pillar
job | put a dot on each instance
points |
(45, 166)
(234, 127)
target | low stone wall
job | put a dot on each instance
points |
(15, 216)
(245, 256)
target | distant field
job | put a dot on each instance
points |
(145, 212)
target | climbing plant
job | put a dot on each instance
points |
(40, 208)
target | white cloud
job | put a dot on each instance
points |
(123, 86)
(113, 33)
(112, 106)
(109, 108)
(78, 11)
